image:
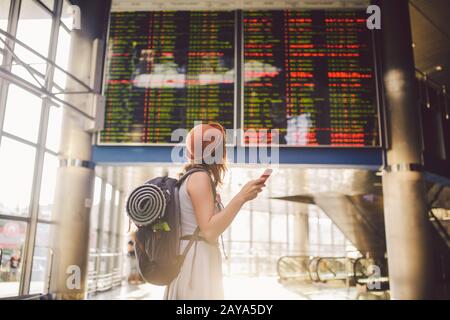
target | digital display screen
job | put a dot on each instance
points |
(165, 70)
(310, 74)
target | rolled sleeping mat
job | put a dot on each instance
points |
(145, 204)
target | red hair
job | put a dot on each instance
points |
(202, 143)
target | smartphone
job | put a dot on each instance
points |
(266, 174)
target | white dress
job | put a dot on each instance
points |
(199, 278)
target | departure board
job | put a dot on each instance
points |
(311, 75)
(165, 70)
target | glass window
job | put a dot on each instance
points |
(313, 230)
(48, 185)
(62, 57)
(34, 20)
(325, 231)
(49, 4)
(103, 265)
(279, 228)
(291, 232)
(107, 212)
(39, 73)
(38, 272)
(260, 226)
(96, 202)
(23, 113)
(94, 213)
(117, 212)
(54, 128)
(105, 244)
(12, 238)
(93, 235)
(4, 13)
(16, 172)
(240, 230)
(41, 259)
(339, 238)
(67, 14)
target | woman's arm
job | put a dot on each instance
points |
(200, 191)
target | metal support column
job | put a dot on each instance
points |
(405, 207)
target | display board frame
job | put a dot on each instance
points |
(377, 92)
(238, 105)
(232, 143)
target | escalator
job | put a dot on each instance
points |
(359, 216)
(334, 272)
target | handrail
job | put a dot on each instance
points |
(105, 254)
(348, 270)
(281, 274)
(310, 268)
(330, 270)
(99, 282)
(104, 282)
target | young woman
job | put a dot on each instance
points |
(201, 274)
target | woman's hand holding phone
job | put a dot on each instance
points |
(251, 189)
(266, 174)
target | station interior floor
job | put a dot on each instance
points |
(249, 288)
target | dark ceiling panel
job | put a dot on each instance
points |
(431, 35)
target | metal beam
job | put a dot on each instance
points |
(47, 60)
(43, 93)
(7, 59)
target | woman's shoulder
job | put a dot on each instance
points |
(200, 176)
(199, 180)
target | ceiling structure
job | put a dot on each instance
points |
(149, 5)
(431, 36)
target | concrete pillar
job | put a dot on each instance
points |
(75, 183)
(301, 233)
(407, 229)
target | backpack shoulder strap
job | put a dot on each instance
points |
(197, 169)
(197, 230)
(191, 242)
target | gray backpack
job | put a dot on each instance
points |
(155, 209)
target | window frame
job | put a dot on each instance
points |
(33, 219)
